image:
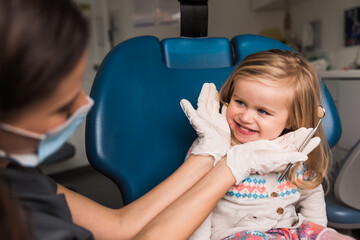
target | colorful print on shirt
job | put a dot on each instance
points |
(252, 187)
(255, 187)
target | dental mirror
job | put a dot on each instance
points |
(321, 115)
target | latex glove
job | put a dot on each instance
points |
(292, 141)
(210, 125)
(262, 156)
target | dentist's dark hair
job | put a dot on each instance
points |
(13, 224)
(41, 41)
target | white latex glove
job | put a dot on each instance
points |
(292, 141)
(262, 156)
(210, 125)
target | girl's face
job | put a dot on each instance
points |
(257, 111)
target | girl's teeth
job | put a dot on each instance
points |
(246, 129)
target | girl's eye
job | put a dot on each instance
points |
(261, 111)
(240, 102)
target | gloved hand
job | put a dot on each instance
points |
(264, 156)
(210, 125)
(292, 141)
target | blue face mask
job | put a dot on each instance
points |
(50, 142)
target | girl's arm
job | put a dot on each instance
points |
(312, 205)
(128, 221)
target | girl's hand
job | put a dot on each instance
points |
(210, 125)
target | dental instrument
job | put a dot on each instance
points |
(321, 115)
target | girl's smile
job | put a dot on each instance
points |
(244, 130)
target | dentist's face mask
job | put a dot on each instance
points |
(50, 142)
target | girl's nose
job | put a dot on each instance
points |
(247, 116)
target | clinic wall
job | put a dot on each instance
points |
(122, 12)
(233, 17)
(226, 19)
(331, 15)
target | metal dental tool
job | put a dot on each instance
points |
(321, 115)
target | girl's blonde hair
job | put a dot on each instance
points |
(277, 67)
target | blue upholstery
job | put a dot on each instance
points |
(136, 133)
(341, 216)
(331, 122)
(247, 44)
(197, 53)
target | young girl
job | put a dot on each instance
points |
(271, 93)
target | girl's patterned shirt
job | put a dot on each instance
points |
(262, 202)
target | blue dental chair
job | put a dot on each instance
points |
(137, 134)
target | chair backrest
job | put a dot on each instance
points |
(348, 177)
(136, 133)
